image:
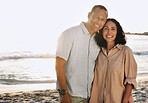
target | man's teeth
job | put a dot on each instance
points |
(109, 36)
(97, 26)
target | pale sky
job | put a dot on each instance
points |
(35, 25)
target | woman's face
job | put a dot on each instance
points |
(110, 32)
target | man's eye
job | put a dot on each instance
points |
(97, 17)
(103, 20)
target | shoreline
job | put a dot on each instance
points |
(136, 34)
(42, 86)
(49, 94)
(25, 87)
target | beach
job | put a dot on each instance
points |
(140, 95)
(38, 96)
(27, 77)
(29, 93)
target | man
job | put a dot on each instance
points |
(75, 57)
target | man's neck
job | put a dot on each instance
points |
(88, 28)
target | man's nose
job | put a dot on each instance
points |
(99, 22)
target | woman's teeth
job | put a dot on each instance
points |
(108, 36)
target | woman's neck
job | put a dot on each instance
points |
(110, 46)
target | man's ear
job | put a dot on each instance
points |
(89, 15)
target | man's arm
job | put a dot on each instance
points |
(60, 63)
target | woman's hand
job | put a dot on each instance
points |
(127, 93)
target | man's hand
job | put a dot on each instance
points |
(60, 63)
(66, 98)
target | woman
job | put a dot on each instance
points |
(116, 68)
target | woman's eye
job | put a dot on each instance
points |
(105, 28)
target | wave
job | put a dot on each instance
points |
(141, 53)
(27, 54)
(21, 55)
(16, 82)
(143, 74)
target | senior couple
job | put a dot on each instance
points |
(93, 64)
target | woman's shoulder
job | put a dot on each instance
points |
(127, 48)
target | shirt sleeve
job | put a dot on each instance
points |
(64, 46)
(130, 68)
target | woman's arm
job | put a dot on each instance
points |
(127, 93)
(94, 92)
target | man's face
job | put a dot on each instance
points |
(97, 19)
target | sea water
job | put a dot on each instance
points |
(26, 68)
(139, 46)
(22, 71)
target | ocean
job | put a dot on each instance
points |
(28, 68)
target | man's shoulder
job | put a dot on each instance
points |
(73, 29)
(72, 32)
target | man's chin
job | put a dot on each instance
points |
(97, 30)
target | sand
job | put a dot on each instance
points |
(39, 96)
(140, 95)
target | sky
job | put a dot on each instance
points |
(35, 25)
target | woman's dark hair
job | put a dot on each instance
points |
(120, 37)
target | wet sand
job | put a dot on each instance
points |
(140, 95)
(39, 96)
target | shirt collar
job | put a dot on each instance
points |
(119, 46)
(84, 29)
